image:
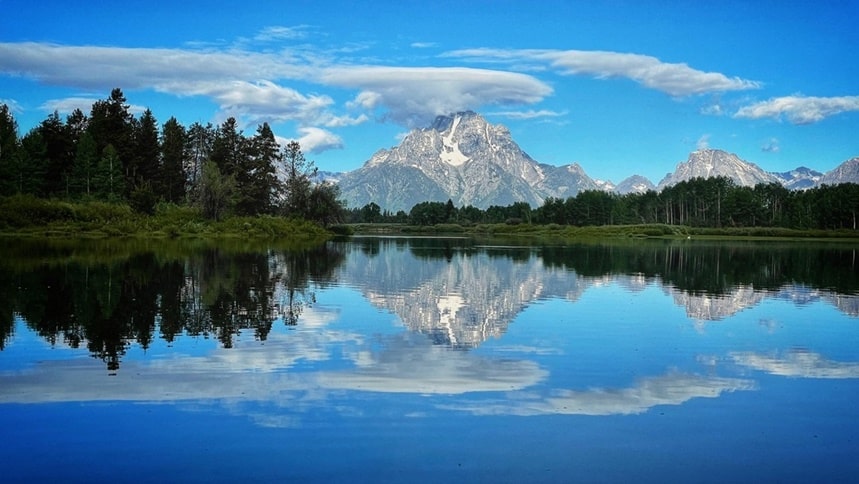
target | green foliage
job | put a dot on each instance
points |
(215, 192)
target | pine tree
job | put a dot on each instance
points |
(297, 186)
(86, 164)
(109, 179)
(9, 148)
(262, 184)
(110, 123)
(200, 141)
(59, 155)
(145, 164)
(174, 157)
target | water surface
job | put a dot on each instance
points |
(385, 359)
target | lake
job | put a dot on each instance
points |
(429, 359)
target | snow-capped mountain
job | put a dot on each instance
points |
(634, 184)
(847, 172)
(463, 158)
(799, 178)
(712, 163)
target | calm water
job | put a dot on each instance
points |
(403, 360)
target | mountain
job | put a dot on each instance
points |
(634, 184)
(847, 172)
(463, 158)
(799, 178)
(712, 163)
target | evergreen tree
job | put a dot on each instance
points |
(299, 174)
(174, 157)
(59, 155)
(200, 141)
(85, 166)
(262, 185)
(109, 179)
(228, 147)
(28, 168)
(144, 166)
(110, 123)
(9, 148)
(76, 123)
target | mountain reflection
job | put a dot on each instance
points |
(461, 294)
(457, 293)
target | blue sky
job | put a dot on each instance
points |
(618, 87)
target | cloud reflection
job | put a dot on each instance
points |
(671, 389)
(797, 363)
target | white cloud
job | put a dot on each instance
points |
(423, 45)
(798, 363)
(703, 142)
(771, 146)
(13, 105)
(800, 109)
(415, 95)
(69, 104)
(676, 79)
(253, 85)
(530, 114)
(671, 389)
(278, 32)
(317, 140)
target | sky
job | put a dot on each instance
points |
(619, 87)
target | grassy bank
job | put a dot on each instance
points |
(29, 216)
(604, 231)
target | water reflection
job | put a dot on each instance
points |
(72, 295)
(452, 295)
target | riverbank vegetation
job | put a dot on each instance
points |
(112, 173)
(712, 207)
(25, 215)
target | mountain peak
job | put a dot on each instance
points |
(444, 122)
(460, 157)
(711, 162)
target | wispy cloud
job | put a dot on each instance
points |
(414, 95)
(800, 109)
(676, 79)
(255, 85)
(771, 146)
(69, 104)
(423, 45)
(703, 142)
(317, 140)
(530, 114)
(805, 364)
(670, 389)
(13, 105)
(278, 32)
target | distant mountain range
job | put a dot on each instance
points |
(464, 158)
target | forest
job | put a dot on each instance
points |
(111, 156)
(700, 202)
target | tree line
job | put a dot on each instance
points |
(111, 155)
(700, 202)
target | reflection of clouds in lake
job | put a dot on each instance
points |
(797, 363)
(411, 364)
(671, 389)
(251, 371)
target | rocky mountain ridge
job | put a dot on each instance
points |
(464, 158)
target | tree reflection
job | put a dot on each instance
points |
(716, 268)
(109, 305)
